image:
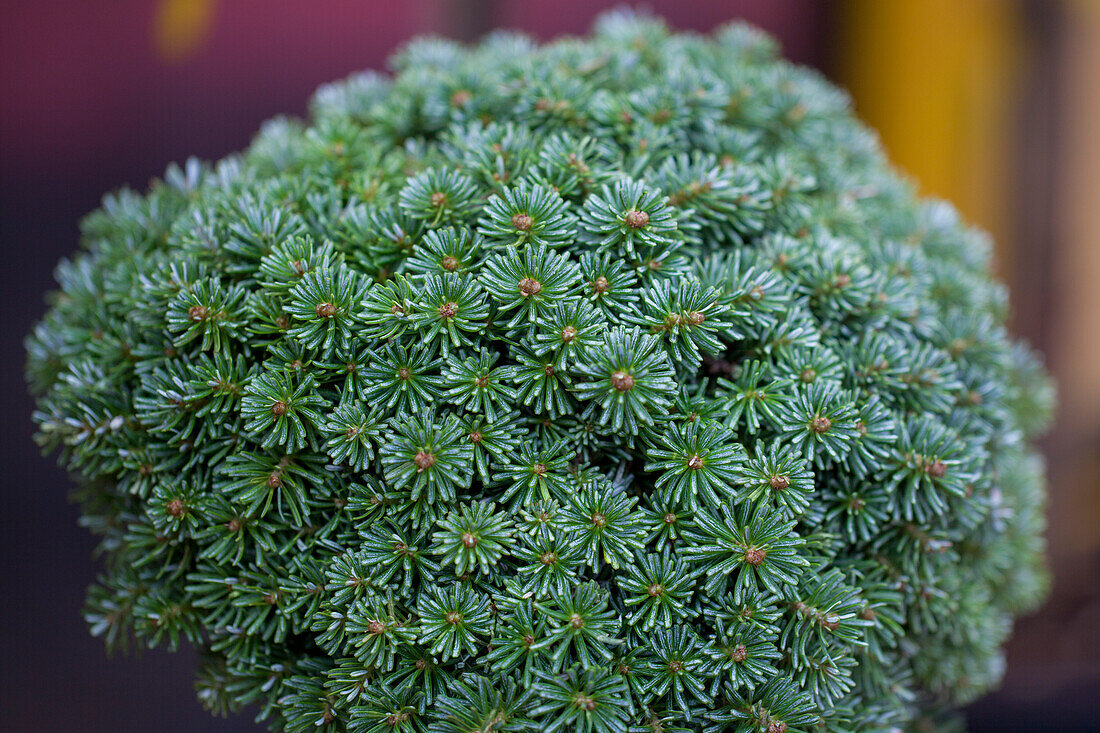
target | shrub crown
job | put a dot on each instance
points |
(612, 384)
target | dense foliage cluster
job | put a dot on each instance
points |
(609, 385)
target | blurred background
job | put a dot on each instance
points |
(993, 104)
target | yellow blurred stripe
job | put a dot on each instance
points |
(181, 26)
(939, 80)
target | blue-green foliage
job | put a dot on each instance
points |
(613, 384)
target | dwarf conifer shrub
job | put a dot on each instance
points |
(609, 385)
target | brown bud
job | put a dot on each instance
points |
(568, 334)
(600, 285)
(274, 481)
(197, 312)
(404, 374)
(475, 437)
(423, 461)
(278, 409)
(548, 558)
(739, 653)
(655, 590)
(375, 627)
(937, 469)
(522, 222)
(622, 381)
(695, 462)
(696, 318)
(636, 219)
(820, 424)
(755, 555)
(460, 98)
(779, 482)
(576, 621)
(529, 286)
(448, 263)
(325, 310)
(469, 541)
(439, 199)
(175, 508)
(599, 519)
(453, 617)
(448, 310)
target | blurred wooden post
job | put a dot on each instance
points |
(937, 79)
(1075, 278)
